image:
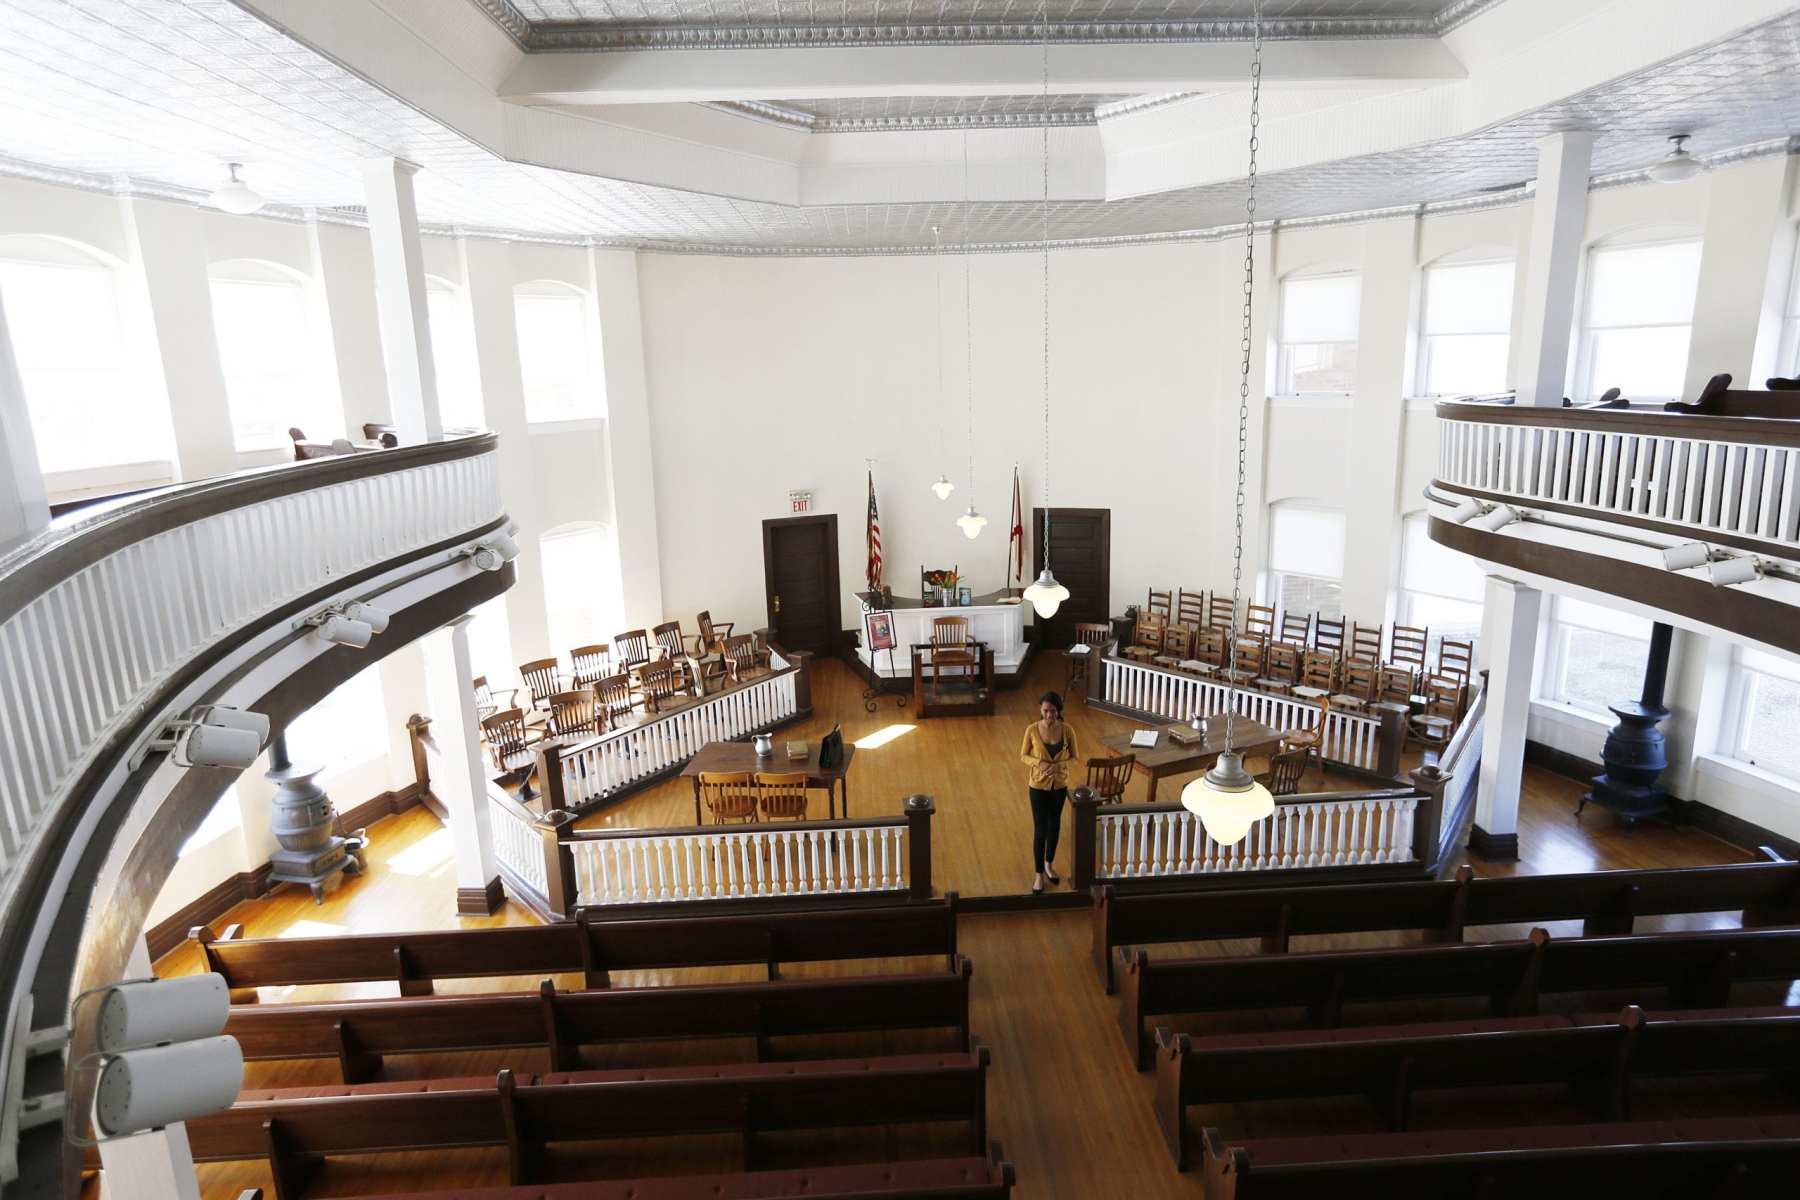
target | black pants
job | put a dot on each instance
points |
(1046, 824)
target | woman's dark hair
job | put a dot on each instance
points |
(1052, 699)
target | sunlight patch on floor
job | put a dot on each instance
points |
(882, 737)
(425, 856)
(312, 929)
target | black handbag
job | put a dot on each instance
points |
(831, 749)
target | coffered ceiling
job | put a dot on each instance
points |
(156, 96)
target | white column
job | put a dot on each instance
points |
(345, 268)
(1744, 260)
(487, 271)
(24, 508)
(1509, 626)
(156, 1165)
(400, 299)
(630, 467)
(1547, 314)
(461, 780)
(169, 258)
(1378, 416)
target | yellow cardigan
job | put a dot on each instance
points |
(1047, 773)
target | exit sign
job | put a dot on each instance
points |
(800, 501)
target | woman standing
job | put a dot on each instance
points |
(1049, 748)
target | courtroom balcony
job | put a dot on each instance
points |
(127, 615)
(1598, 498)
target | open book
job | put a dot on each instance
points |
(1145, 738)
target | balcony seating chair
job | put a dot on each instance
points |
(1108, 776)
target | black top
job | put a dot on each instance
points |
(1053, 748)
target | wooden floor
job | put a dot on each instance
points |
(1072, 1114)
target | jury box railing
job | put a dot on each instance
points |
(1155, 693)
(1733, 480)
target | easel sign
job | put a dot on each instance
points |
(880, 627)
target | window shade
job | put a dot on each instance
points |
(1321, 309)
(1643, 285)
(1309, 541)
(1437, 570)
(1570, 611)
(1469, 298)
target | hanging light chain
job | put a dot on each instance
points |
(1244, 347)
(968, 321)
(1044, 18)
(937, 256)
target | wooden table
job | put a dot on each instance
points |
(741, 756)
(1170, 757)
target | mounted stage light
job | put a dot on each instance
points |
(214, 735)
(375, 618)
(1045, 594)
(1678, 164)
(504, 543)
(1687, 556)
(341, 630)
(1495, 519)
(162, 1056)
(1467, 511)
(493, 551)
(1228, 800)
(147, 1012)
(972, 523)
(1727, 571)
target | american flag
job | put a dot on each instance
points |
(874, 539)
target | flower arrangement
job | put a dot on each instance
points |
(940, 579)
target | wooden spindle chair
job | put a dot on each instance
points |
(1296, 628)
(543, 676)
(1162, 604)
(632, 648)
(1406, 648)
(781, 795)
(660, 683)
(575, 714)
(673, 645)
(615, 697)
(712, 633)
(1081, 667)
(1260, 619)
(487, 697)
(729, 796)
(1365, 643)
(1093, 635)
(740, 658)
(1328, 635)
(1285, 771)
(590, 664)
(1310, 741)
(951, 647)
(1357, 683)
(1108, 776)
(509, 740)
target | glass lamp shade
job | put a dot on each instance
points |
(943, 487)
(1228, 800)
(972, 523)
(1046, 595)
(235, 197)
(1677, 166)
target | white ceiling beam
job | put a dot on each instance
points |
(675, 76)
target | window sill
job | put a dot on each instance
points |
(1313, 400)
(572, 426)
(1738, 773)
(1568, 714)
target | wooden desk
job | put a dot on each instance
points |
(741, 756)
(1170, 757)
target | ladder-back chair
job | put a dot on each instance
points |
(1252, 653)
(1318, 669)
(1109, 775)
(1395, 685)
(1260, 619)
(1296, 628)
(543, 677)
(1406, 648)
(1356, 685)
(1365, 643)
(1209, 648)
(1456, 658)
(729, 796)
(1162, 604)
(1284, 663)
(1434, 723)
(951, 647)
(781, 795)
(1190, 609)
(1178, 641)
(1219, 614)
(1328, 635)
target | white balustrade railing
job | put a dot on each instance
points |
(1178, 696)
(518, 844)
(1141, 841)
(1726, 475)
(721, 863)
(621, 758)
(83, 648)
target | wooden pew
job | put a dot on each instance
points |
(359, 1033)
(1746, 1158)
(414, 960)
(1602, 1055)
(295, 1128)
(1697, 969)
(989, 1178)
(1607, 902)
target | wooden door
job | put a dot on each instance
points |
(1081, 556)
(800, 576)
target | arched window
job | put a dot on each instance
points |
(1465, 327)
(556, 358)
(88, 407)
(581, 586)
(269, 353)
(1306, 558)
(1440, 589)
(1316, 338)
(1638, 317)
(453, 355)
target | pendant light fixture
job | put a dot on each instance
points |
(971, 522)
(236, 196)
(1677, 165)
(943, 487)
(1227, 799)
(1045, 594)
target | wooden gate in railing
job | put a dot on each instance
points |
(1153, 693)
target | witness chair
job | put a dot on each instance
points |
(951, 647)
(1081, 666)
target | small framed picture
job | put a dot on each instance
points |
(881, 631)
(964, 597)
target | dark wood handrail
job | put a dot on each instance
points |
(1754, 431)
(79, 540)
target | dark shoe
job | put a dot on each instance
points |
(1051, 875)
(1037, 886)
